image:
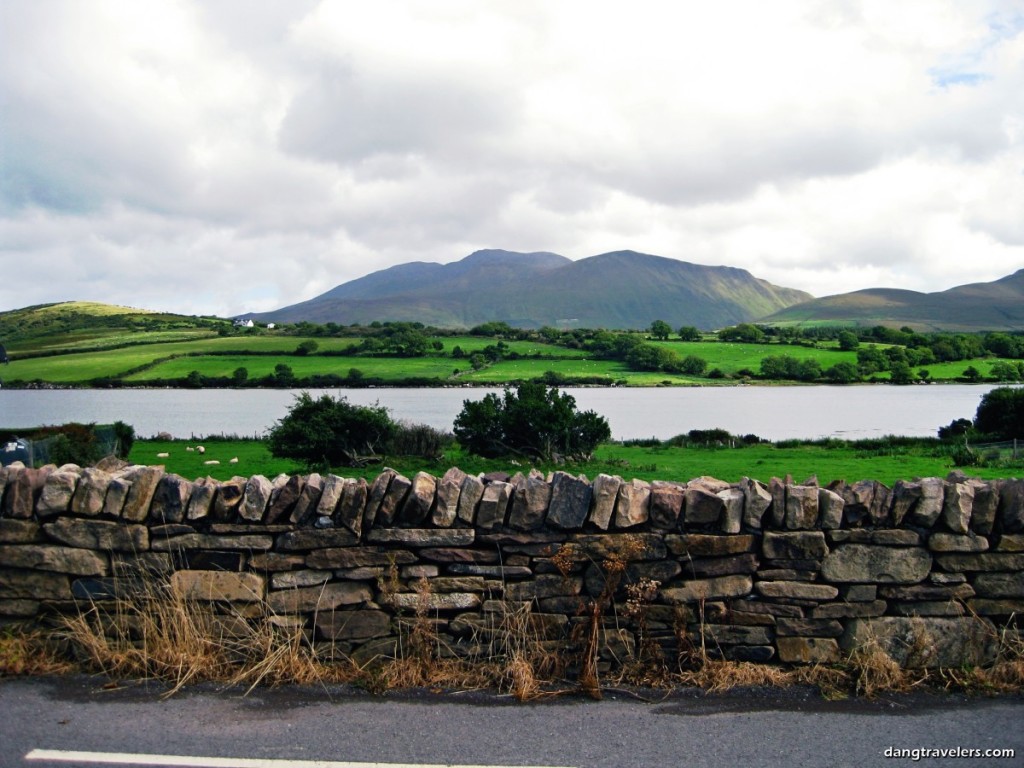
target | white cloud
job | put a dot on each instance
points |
(225, 156)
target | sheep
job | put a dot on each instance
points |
(162, 455)
(211, 462)
(234, 460)
(200, 449)
(189, 448)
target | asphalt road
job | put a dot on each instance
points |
(688, 730)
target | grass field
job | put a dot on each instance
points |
(662, 463)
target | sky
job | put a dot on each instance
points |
(228, 156)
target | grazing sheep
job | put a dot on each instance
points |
(189, 448)
(234, 460)
(201, 449)
(162, 455)
(211, 461)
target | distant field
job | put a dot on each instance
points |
(730, 464)
(383, 367)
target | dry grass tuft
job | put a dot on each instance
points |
(31, 652)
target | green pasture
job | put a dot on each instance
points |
(730, 357)
(471, 344)
(761, 462)
(260, 365)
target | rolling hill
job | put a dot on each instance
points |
(995, 306)
(622, 289)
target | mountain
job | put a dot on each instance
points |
(623, 289)
(994, 306)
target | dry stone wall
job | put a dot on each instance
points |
(780, 572)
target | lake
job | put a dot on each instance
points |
(774, 413)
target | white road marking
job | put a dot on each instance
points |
(122, 758)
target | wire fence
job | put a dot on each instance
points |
(1006, 449)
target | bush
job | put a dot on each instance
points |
(534, 420)
(1001, 413)
(327, 432)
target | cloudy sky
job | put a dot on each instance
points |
(222, 156)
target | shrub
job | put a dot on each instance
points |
(534, 420)
(329, 431)
(1001, 413)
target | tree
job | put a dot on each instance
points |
(744, 332)
(283, 375)
(1001, 413)
(848, 340)
(660, 329)
(328, 432)
(693, 365)
(534, 420)
(307, 347)
(240, 376)
(689, 333)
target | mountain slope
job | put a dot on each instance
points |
(623, 289)
(998, 305)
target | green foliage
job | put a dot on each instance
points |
(789, 368)
(689, 333)
(306, 347)
(329, 432)
(534, 420)
(847, 340)
(1001, 413)
(744, 332)
(660, 329)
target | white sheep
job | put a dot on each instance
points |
(211, 462)
(201, 449)
(234, 460)
(189, 448)
(162, 455)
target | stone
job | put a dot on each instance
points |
(378, 490)
(330, 495)
(905, 494)
(801, 507)
(985, 507)
(210, 541)
(887, 537)
(57, 492)
(305, 540)
(470, 493)
(200, 503)
(717, 588)
(423, 537)
(283, 499)
(849, 610)
(857, 501)
(632, 507)
(349, 512)
(23, 609)
(47, 557)
(305, 507)
(917, 643)
(570, 501)
(419, 502)
(24, 485)
(1011, 506)
(928, 591)
(624, 546)
(808, 650)
(799, 590)
(732, 509)
(728, 634)
(661, 571)
(448, 601)
(719, 566)
(603, 499)
(117, 494)
(858, 593)
(209, 559)
(227, 499)
(808, 628)
(777, 489)
(543, 586)
(33, 585)
(319, 599)
(667, 499)
(449, 487)
(392, 502)
(870, 563)
(20, 532)
(929, 506)
(957, 506)
(530, 504)
(90, 492)
(809, 545)
(462, 583)
(255, 498)
(218, 586)
(1003, 607)
(756, 502)
(353, 624)
(452, 555)
(752, 605)
(169, 501)
(277, 561)
(830, 508)
(421, 571)
(357, 557)
(303, 578)
(702, 507)
(1011, 542)
(1000, 584)
(709, 545)
(494, 571)
(986, 561)
(144, 481)
(98, 534)
(951, 542)
(493, 505)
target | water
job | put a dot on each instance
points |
(774, 413)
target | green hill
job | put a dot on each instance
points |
(995, 306)
(623, 289)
